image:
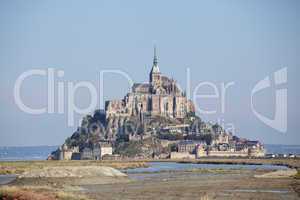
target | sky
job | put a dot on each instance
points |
(202, 44)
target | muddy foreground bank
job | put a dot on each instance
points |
(234, 184)
(41, 178)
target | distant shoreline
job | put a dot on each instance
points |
(41, 152)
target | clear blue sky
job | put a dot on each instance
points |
(220, 41)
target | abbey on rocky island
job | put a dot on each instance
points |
(160, 97)
(154, 120)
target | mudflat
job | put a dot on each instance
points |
(97, 180)
(232, 184)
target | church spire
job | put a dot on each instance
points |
(155, 68)
(155, 57)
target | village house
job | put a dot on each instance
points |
(66, 153)
(86, 154)
(187, 146)
(97, 151)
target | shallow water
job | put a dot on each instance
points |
(258, 190)
(155, 167)
(5, 179)
(25, 153)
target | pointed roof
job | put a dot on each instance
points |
(155, 68)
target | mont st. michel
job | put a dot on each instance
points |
(91, 111)
(154, 120)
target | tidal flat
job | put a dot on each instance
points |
(99, 180)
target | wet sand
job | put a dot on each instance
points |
(185, 184)
(237, 184)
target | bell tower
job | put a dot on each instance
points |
(155, 75)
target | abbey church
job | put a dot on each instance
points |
(160, 97)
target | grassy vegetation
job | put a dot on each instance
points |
(69, 196)
(130, 148)
(297, 176)
(18, 167)
(23, 193)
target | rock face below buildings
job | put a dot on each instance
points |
(128, 135)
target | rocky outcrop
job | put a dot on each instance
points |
(141, 137)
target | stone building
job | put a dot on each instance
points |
(182, 155)
(222, 138)
(201, 151)
(105, 149)
(66, 153)
(187, 146)
(161, 96)
(87, 154)
(97, 151)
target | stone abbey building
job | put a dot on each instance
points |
(160, 97)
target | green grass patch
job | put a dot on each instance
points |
(297, 176)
